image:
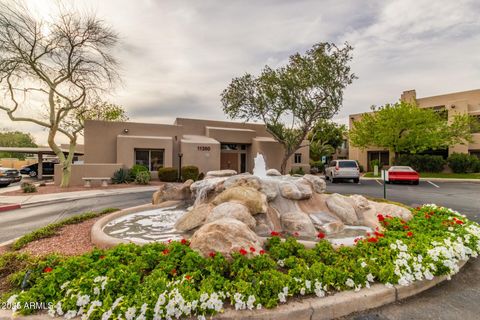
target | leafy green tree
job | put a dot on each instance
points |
(292, 98)
(15, 139)
(325, 138)
(406, 128)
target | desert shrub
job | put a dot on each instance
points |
(28, 187)
(143, 177)
(374, 163)
(190, 172)
(297, 171)
(316, 166)
(463, 163)
(421, 162)
(135, 170)
(168, 174)
(121, 176)
(361, 168)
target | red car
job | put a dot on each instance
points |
(402, 174)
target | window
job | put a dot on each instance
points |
(152, 159)
(297, 158)
(348, 164)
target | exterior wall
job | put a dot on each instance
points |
(16, 163)
(466, 102)
(203, 154)
(80, 171)
(126, 146)
(198, 126)
(273, 153)
(231, 135)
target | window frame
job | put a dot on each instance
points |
(295, 155)
(149, 166)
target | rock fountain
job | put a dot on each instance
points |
(230, 211)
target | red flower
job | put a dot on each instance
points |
(243, 252)
(402, 221)
(183, 241)
(166, 251)
(212, 254)
(379, 235)
(274, 233)
(262, 251)
(406, 227)
(169, 240)
(174, 272)
(321, 235)
(252, 249)
(458, 221)
(47, 269)
(296, 234)
(409, 234)
(188, 277)
(385, 223)
(372, 239)
(356, 240)
(101, 257)
(380, 217)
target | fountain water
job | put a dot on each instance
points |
(259, 168)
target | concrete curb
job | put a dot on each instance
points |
(331, 307)
(104, 241)
(10, 206)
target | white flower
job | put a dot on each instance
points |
(64, 285)
(250, 302)
(130, 314)
(302, 291)
(70, 314)
(393, 246)
(12, 299)
(281, 297)
(370, 277)
(281, 263)
(96, 291)
(308, 284)
(201, 317)
(363, 264)
(259, 306)
(83, 300)
(450, 228)
(350, 283)
(388, 285)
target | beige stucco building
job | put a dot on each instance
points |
(207, 144)
(452, 103)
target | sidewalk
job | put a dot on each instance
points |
(33, 200)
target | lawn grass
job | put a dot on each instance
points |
(51, 229)
(437, 175)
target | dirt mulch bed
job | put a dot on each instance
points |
(70, 240)
(51, 188)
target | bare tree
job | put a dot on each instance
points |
(66, 65)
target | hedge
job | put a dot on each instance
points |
(421, 162)
(190, 172)
(463, 163)
(168, 174)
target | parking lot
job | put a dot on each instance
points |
(461, 196)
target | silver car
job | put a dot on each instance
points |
(342, 169)
(9, 175)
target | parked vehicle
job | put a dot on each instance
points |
(402, 174)
(342, 169)
(9, 175)
(32, 170)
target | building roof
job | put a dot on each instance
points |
(37, 150)
(198, 139)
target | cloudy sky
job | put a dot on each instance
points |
(177, 56)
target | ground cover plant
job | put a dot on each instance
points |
(169, 280)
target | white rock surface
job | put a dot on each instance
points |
(194, 218)
(317, 183)
(342, 208)
(234, 211)
(273, 172)
(297, 221)
(295, 190)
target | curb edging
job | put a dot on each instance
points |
(10, 206)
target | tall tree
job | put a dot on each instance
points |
(66, 64)
(325, 138)
(15, 139)
(292, 98)
(405, 128)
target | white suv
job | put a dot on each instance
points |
(342, 169)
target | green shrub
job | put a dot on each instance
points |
(316, 166)
(421, 162)
(135, 170)
(190, 172)
(463, 163)
(374, 163)
(143, 177)
(168, 174)
(28, 187)
(122, 175)
(297, 171)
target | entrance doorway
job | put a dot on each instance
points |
(233, 157)
(381, 156)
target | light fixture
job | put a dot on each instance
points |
(452, 106)
(125, 131)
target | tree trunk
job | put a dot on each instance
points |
(283, 166)
(67, 165)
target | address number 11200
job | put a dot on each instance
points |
(203, 148)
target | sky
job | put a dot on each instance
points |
(177, 56)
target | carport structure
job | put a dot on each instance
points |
(40, 152)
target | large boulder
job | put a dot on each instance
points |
(269, 188)
(220, 173)
(202, 190)
(232, 210)
(273, 172)
(225, 236)
(268, 222)
(390, 209)
(295, 190)
(325, 222)
(194, 218)
(253, 199)
(171, 191)
(317, 183)
(297, 222)
(359, 203)
(243, 180)
(342, 208)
